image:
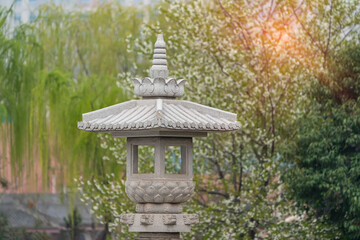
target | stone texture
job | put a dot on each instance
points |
(159, 236)
(158, 84)
(160, 223)
(127, 219)
(159, 68)
(190, 219)
(150, 114)
(169, 219)
(150, 87)
(147, 219)
(158, 208)
(159, 191)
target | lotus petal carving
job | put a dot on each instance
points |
(153, 191)
(159, 87)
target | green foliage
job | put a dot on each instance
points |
(91, 43)
(146, 159)
(346, 75)
(73, 224)
(4, 224)
(19, 63)
(4, 183)
(327, 155)
(62, 65)
(107, 199)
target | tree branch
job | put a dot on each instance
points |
(80, 56)
(307, 31)
(225, 195)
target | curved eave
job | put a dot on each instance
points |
(159, 114)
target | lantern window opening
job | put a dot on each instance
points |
(178, 152)
(175, 159)
(143, 159)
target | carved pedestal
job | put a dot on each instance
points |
(165, 218)
(159, 223)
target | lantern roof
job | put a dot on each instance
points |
(159, 113)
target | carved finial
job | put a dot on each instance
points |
(158, 84)
(159, 68)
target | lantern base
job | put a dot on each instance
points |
(159, 236)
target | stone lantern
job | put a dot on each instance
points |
(159, 122)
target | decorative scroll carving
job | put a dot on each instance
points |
(147, 219)
(127, 219)
(191, 219)
(169, 219)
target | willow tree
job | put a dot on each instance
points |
(63, 64)
(19, 62)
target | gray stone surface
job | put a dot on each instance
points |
(158, 84)
(158, 208)
(159, 223)
(190, 219)
(159, 191)
(159, 236)
(160, 114)
(30, 210)
(127, 219)
(169, 219)
(146, 219)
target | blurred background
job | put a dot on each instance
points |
(289, 69)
